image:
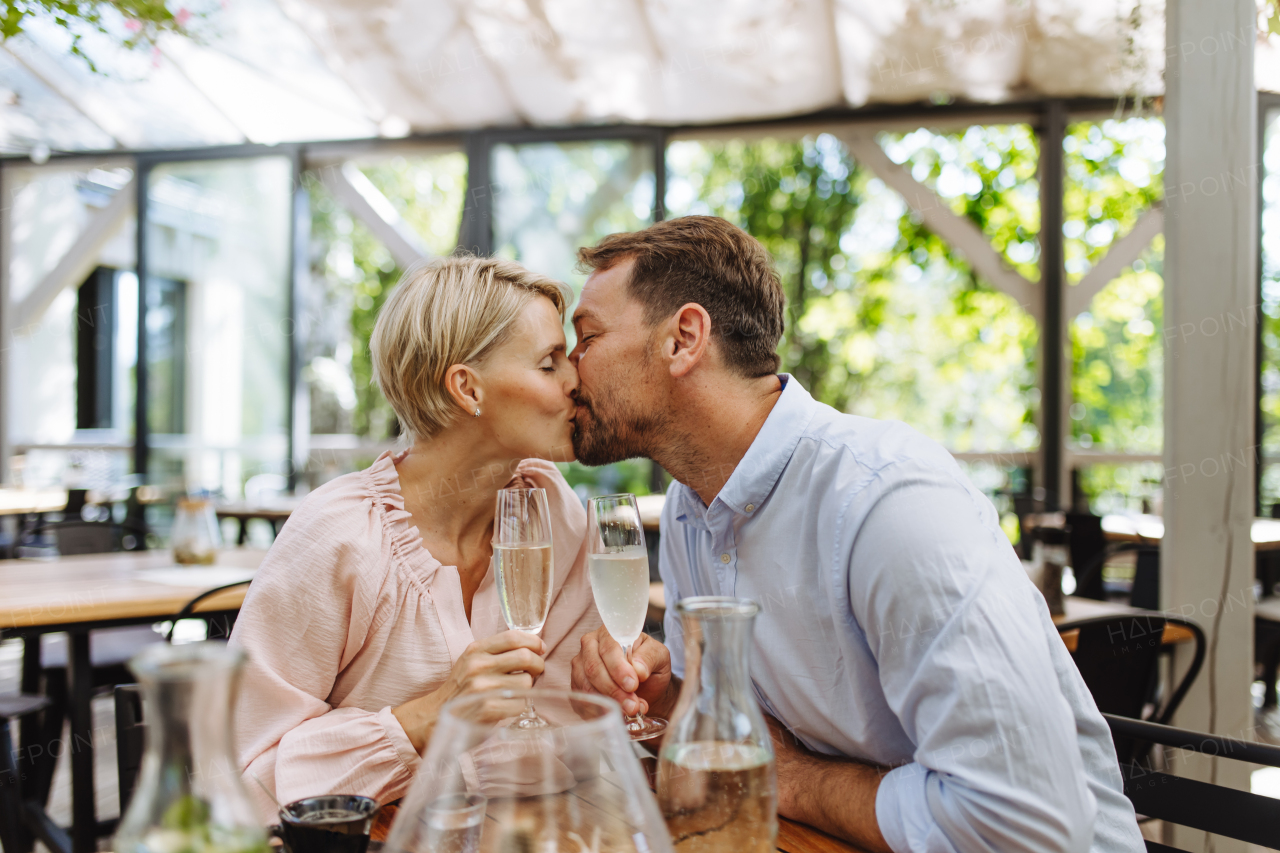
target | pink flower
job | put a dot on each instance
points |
(184, 15)
(132, 26)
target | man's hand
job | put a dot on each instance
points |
(642, 685)
(835, 795)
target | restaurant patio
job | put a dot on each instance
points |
(1043, 234)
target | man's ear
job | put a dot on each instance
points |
(463, 385)
(689, 338)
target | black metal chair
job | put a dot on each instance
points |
(128, 704)
(22, 814)
(1188, 802)
(1146, 581)
(1119, 660)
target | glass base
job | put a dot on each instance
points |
(644, 728)
(530, 720)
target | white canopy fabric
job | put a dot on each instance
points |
(296, 70)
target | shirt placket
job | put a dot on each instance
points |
(724, 552)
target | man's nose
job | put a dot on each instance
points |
(575, 355)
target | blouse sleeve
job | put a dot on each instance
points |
(307, 613)
(573, 610)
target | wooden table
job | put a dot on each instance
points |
(77, 595)
(793, 837)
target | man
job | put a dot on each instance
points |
(922, 698)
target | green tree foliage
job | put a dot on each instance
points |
(131, 23)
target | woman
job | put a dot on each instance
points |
(377, 604)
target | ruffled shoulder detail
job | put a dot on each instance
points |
(383, 482)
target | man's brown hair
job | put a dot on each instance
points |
(710, 261)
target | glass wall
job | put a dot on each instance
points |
(1269, 354)
(218, 330)
(1113, 176)
(549, 199)
(50, 405)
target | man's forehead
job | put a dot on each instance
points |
(604, 293)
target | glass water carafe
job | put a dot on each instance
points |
(717, 784)
(189, 797)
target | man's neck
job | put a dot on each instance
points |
(714, 431)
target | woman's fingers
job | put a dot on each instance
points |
(518, 660)
(508, 640)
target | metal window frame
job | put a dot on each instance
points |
(1047, 117)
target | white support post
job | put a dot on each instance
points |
(371, 207)
(1122, 252)
(962, 233)
(1210, 305)
(77, 261)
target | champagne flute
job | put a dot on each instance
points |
(618, 563)
(523, 567)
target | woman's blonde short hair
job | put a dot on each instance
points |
(444, 312)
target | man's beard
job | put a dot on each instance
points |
(611, 434)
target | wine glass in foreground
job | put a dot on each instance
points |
(523, 567)
(618, 563)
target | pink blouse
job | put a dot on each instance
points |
(350, 616)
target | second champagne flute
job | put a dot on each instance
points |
(523, 567)
(618, 563)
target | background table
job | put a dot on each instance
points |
(77, 595)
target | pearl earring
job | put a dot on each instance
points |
(477, 411)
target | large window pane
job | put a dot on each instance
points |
(217, 325)
(352, 274)
(884, 319)
(1113, 176)
(1269, 492)
(549, 199)
(48, 400)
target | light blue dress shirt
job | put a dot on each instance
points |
(897, 626)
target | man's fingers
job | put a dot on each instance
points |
(649, 656)
(615, 661)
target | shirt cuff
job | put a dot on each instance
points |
(400, 741)
(902, 809)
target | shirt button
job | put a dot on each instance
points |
(724, 558)
(751, 507)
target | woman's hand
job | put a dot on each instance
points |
(507, 661)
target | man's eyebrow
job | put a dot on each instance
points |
(583, 314)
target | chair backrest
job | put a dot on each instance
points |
(188, 610)
(1225, 811)
(1087, 543)
(1118, 658)
(129, 739)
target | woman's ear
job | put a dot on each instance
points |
(463, 385)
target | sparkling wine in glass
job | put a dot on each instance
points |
(523, 567)
(618, 564)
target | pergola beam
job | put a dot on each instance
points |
(962, 233)
(1122, 253)
(371, 207)
(79, 259)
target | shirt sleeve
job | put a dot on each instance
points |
(959, 638)
(307, 613)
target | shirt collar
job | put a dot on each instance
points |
(754, 477)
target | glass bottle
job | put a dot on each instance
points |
(195, 534)
(717, 783)
(189, 797)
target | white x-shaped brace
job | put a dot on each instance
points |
(967, 238)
